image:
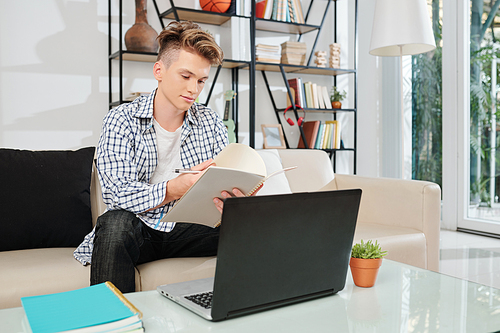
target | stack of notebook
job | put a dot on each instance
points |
(98, 308)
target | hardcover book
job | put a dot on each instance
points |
(310, 129)
(98, 308)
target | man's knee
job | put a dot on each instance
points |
(116, 225)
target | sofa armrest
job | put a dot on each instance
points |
(402, 203)
(96, 204)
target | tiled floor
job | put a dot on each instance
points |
(471, 257)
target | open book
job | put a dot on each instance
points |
(236, 166)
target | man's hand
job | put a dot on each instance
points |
(219, 203)
(179, 185)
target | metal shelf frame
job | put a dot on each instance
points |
(256, 24)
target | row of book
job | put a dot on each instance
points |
(280, 10)
(321, 135)
(309, 94)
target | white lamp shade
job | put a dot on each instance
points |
(401, 27)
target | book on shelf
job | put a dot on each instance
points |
(334, 138)
(244, 42)
(269, 9)
(297, 5)
(321, 135)
(292, 92)
(98, 308)
(321, 100)
(260, 8)
(310, 129)
(321, 131)
(315, 95)
(293, 59)
(293, 53)
(284, 10)
(308, 93)
(267, 59)
(267, 53)
(236, 166)
(298, 47)
(298, 88)
(230, 41)
(268, 48)
(274, 13)
(327, 136)
(326, 98)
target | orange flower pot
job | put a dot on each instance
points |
(364, 271)
(336, 105)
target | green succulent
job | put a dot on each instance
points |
(367, 250)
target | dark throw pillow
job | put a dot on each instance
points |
(44, 198)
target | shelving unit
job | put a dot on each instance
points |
(285, 69)
(256, 24)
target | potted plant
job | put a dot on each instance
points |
(336, 97)
(366, 259)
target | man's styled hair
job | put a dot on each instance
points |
(189, 36)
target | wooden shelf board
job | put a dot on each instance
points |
(151, 57)
(199, 16)
(284, 27)
(261, 66)
(135, 56)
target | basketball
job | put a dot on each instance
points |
(218, 6)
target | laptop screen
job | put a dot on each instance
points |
(280, 249)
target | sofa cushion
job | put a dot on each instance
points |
(45, 198)
(277, 184)
(38, 272)
(173, 270)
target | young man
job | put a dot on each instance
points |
(141, 143)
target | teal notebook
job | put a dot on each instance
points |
(101, 304)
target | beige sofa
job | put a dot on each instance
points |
(402, 215)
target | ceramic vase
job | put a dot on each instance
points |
(141, 37)
(364, 271)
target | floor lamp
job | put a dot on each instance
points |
(401, 27)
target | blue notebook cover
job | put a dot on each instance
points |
(90, 306)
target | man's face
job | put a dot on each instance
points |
(181, 83)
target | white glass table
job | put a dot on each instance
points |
(404, 299)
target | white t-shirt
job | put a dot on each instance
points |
(169, 155)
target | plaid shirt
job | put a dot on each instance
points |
(127, 158)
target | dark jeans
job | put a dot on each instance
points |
(123, 241)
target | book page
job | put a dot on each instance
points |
(241, 157)
(197, 206)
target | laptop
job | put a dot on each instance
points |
(273, 251)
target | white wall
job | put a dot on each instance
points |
(53, 73)
(54, 76)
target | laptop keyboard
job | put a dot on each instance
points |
(203, 299)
